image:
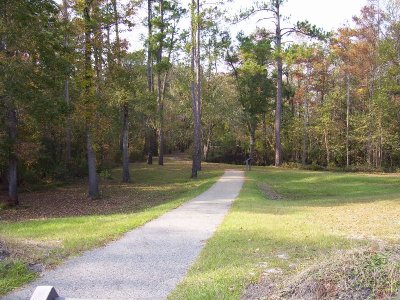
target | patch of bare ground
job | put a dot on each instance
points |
(370, 273)
(269, 192)
(36, 255)
(267, 285)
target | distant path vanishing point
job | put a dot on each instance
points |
(148, 262)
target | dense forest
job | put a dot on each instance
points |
(77, 101)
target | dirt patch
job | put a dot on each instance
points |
(21, 251)
(267, 285)
(269, 192)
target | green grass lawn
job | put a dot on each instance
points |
(48, 241)
(320, 214)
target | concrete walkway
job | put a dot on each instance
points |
(147, 263)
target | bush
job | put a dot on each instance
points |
(136, 155)
(105, 174)
(363, 168)
(314, 167)
(291, 165)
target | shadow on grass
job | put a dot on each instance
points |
(151, 186)
(325, 189)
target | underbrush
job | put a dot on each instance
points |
(358, 274)
(335, 168)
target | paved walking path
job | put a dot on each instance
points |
(147, 263)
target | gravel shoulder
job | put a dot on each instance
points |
(147, 263)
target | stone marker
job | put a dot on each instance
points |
(44, 293)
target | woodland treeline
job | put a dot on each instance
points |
(76, 101)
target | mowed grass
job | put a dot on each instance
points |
(48, 241)
(321, 213)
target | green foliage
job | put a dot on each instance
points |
(306, 28)
(250, 66)
(32, 66)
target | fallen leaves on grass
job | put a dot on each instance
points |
(154, 186)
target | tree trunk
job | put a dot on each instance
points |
(369, 147)
(160, 104)
(279, 65)
(265, 138)
(116, 24)
(150, 144)
(369, 120)
(125, 106)
(97, 58)
(252, 132)
(12, 182)
(160, 111)
(150, 80)
(304, 149)
(125, 145)
(93, 182)
(12, 159)
(348, 123)
(196, 135)
(328, 155)
(68, 136)
(195, 87)
(162, 88)
(117, 42)
(380, 148)
(91, 159)
(150, 148)
(305, 133)
(108, 41)
(208, 142)
(150, 77)
(198, 82)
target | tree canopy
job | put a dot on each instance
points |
(76, 100)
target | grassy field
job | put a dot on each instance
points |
(59, 223)
(264, 245)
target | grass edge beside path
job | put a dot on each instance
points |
(48, 242)
(264, 243)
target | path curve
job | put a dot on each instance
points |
(148, 262)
